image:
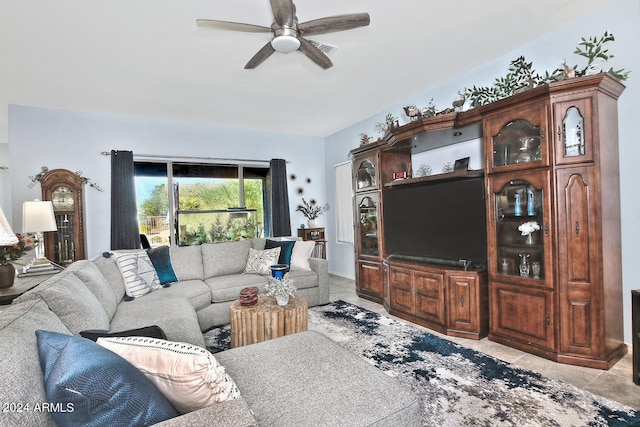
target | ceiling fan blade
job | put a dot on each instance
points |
(283, 12)
(234, 26)
(334, 23)
(266, 51)
(314, 54)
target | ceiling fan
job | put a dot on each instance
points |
(288, 34)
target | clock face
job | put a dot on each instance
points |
(62, 199)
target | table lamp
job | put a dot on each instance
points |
(37, 217)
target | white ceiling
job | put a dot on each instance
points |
(147, 58)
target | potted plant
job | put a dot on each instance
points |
(311, 210)
(9, 256)
(281, 289)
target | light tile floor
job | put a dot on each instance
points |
(615, 384)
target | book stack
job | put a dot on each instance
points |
(39, 269)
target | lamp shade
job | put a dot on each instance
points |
(7, 236)
(38, 216)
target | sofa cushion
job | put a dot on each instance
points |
(220, 259)
(138, 272)
(196, 291)
(176, 316)
(260, 262)
(326, 384)
(70, 299)
(22, 381)
(109, 269)
(93, 278)
(301, 253)
(232, 413)
(227, 288)
(303, 279)
(161, 259)
(188, 376)
(187, 262)
(286, 249)
(95, 386)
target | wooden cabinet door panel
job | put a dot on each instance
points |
(579, 267)
(401, 290)
(523, 314)
(463, 304)
(430, 296)
(370, 278)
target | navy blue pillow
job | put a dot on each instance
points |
(161, 260)
(92, 386)
(286, 249)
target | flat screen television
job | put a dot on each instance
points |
(441, 221)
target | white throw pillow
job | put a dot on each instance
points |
(260, 262)
(188, 376)
(138, 272)
(301, 253)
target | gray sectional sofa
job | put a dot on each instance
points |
(300, 379)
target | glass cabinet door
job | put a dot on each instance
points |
(573, 131)
(368, 225)
(519, 142)
(521, 229)
(366, 175)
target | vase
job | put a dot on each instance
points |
(282, 299)
(312, 223)
(279, 270)
(529, 240)
(7, 275)
(524, 266)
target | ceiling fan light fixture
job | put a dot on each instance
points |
(285, 40)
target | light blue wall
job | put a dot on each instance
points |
(71, 140)
(622, 18)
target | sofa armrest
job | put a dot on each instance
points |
(321, 267)
(232, 413)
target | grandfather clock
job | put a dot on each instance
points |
(64, 189)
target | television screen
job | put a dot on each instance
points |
(440, 220)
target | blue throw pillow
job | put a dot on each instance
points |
(161, 260)
(88, 385)
(286, 249)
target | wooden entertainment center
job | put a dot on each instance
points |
(553, 279)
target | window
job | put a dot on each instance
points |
(206, 202)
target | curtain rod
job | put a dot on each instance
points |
(165, 157)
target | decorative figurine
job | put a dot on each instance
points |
(459, 103)
(413, 112)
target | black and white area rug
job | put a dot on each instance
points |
(456, 386)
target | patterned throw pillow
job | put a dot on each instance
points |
(93, 386)
(188, 376)
(138, 272)
(260, 262)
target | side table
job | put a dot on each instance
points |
(267, 320)
(20, 286)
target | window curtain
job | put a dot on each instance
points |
(344, 203)
(280, 217)
(124, 222)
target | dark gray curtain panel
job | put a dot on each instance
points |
(124, 216)
(280, 218)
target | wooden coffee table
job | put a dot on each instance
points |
(266, 320)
